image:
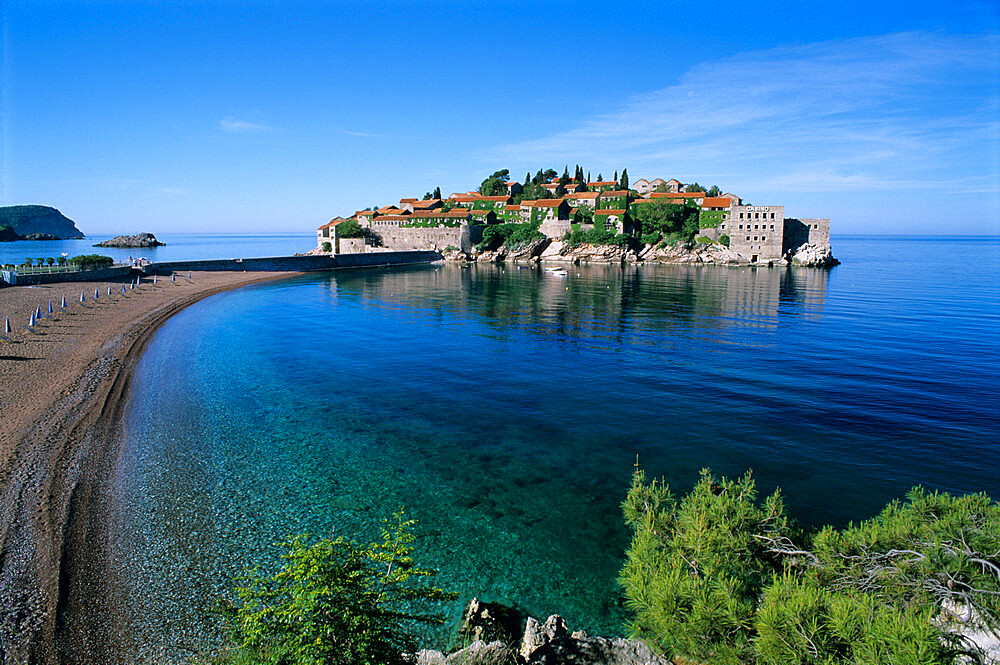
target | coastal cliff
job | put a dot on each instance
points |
(38, 219)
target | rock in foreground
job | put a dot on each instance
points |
(136, 241)
(550, 643)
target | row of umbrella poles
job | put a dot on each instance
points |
(36, 314)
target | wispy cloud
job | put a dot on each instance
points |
(236, 126)
(898, 110)
(366, 135)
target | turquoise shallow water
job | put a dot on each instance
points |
(505, 408)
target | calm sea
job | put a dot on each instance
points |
(179, 247)
(505, 409)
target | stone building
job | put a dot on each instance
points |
(756, 232)
(801, 231)
(583, 199)
(425, 230)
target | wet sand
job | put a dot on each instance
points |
(63, 387)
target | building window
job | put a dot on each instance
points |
(741, 217)
(748, 238)
(756, 226)
(772, 227)
(763, 238)
(755, 238)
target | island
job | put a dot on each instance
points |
(139, 240)
(567, 218)
(36, 222)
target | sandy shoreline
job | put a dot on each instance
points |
(63, 388)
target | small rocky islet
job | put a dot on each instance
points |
(137, 241)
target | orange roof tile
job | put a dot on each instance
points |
(407, 200)
(609, 211)
(615, 192)
(601, 183)
(546, 203)
(582, 195)
(717, 202)
(512, 207)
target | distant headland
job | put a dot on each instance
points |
(574, 218)
(36, 222)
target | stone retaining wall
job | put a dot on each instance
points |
(295, 263)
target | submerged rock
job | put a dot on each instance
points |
(136, 241)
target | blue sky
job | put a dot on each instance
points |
(260, 117)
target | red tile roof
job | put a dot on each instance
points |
(546, 203)
(717, 202)
(610, 211)
(601, 183)
(365, 213)
(582, 195)
(615, 192)
(511, 208)
(407, 200)
(426, 203)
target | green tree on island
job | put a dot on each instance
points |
(336, 602)
(623, 184)
(496, 184)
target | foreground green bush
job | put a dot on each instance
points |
(335, 602)
(722, 577)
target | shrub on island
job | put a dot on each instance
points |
(721, 577)
(511, 234)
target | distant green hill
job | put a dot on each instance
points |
(38, 219)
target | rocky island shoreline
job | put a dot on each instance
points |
(137, 241)
(556, 251)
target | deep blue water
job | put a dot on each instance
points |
(179, 247)
(505, 409)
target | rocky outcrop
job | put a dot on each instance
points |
(25, 220)
(560, 252)
(527, 252)
(40, 236)
(816, 256)
(137, 241)
(705, 253)
(548, 643)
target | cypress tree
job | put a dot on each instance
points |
(527, 180)
(624, 181)
(616, 176)
(437, 192)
